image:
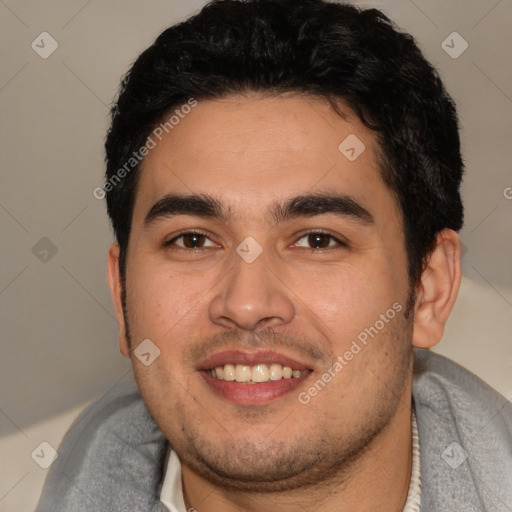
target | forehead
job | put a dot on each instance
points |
(253, 151)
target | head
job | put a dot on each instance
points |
(283, 183)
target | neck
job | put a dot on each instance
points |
(382, 470)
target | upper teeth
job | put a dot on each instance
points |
(256, 373)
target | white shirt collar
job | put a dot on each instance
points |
(413, 501)
(171, 495)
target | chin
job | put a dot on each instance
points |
(272, 466)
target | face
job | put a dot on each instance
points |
(260, 248)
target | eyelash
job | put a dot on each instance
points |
(309, 233)
(181, 235)
(340, 243)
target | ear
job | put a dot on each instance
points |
(115, 285)
(437, 291)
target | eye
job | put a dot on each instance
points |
(319, 240)
(191, 240)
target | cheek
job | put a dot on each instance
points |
(345, 299)
(161, 301)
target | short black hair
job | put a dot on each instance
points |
(345, 54)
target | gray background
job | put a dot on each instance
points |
(58, 343)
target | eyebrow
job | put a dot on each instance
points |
(195, 205)
(301, 206)
(321, 204)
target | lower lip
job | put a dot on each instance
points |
(253, 394)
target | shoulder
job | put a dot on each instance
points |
(465, 430)
(449, 391)
(112, 457)
(438, 376)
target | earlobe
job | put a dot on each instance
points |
(116, 289)
(437, 291)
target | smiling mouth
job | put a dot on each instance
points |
(256, 374)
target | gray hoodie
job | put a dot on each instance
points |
(113, 457)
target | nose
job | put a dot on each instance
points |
(252, 297)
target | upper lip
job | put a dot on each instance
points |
(246, 358)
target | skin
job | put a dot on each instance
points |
(351, 444)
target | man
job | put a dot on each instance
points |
(283, 182)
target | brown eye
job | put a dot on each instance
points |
(191, 241)
(318, 240)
